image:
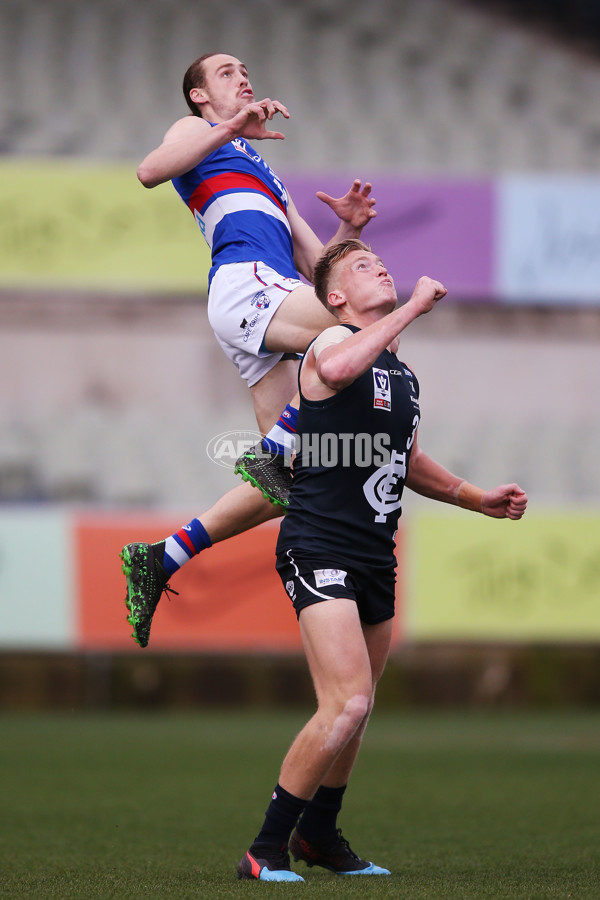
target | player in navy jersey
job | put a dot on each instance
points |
(260, 311)
(358, 448)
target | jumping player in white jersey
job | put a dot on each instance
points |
(261, 313)
(335, 554)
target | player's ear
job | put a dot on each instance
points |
(198, 95)
(335, 298)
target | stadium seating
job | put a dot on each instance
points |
(120, 430)
(436, 85)
(123, 462)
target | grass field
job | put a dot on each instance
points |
(457, 805)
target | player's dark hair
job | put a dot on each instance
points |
(194, 78)
(326, 263)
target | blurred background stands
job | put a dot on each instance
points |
(428, 87)
(434, 85)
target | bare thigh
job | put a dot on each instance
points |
(336, 652)
(299, 319)
(341, 651)
(378, 639)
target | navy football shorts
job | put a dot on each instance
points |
(309, 580)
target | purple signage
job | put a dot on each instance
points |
(443, 228)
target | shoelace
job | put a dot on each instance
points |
(342, 840)
(168, 590)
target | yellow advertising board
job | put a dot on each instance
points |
(93, 225)
(475, 578)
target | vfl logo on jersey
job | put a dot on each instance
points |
(243, 147)
(382, 393)
(240, 145)
(260, 301)
(381, 488)
(323, 577)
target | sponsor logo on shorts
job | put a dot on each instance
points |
(249, 326)
(323, 577)
(290, 589)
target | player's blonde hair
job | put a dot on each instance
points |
(328, 261)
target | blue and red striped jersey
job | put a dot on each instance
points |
(241, 208)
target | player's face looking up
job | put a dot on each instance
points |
(226, 87)
(363, 281)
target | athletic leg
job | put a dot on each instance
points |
(273, 392)
(145, 566)
(266, 465)
(378, 639)
(342, 673)
(238, 510)
(339, 664)
(297, 320)
(317, 840)
(148, 567)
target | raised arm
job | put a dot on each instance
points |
(191, 139)
(354, 210)
(341, 364)
(429, 478)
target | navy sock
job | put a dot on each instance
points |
(280, 818)
(319, 819)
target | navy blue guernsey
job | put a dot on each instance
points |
(349, 473)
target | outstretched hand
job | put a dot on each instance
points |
(507, 501)
(355, 208)
(251, 121)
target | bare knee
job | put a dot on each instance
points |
(357, 708)
(349, 720)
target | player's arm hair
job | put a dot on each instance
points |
(430, 479)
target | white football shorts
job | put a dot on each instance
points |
(241, 301)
